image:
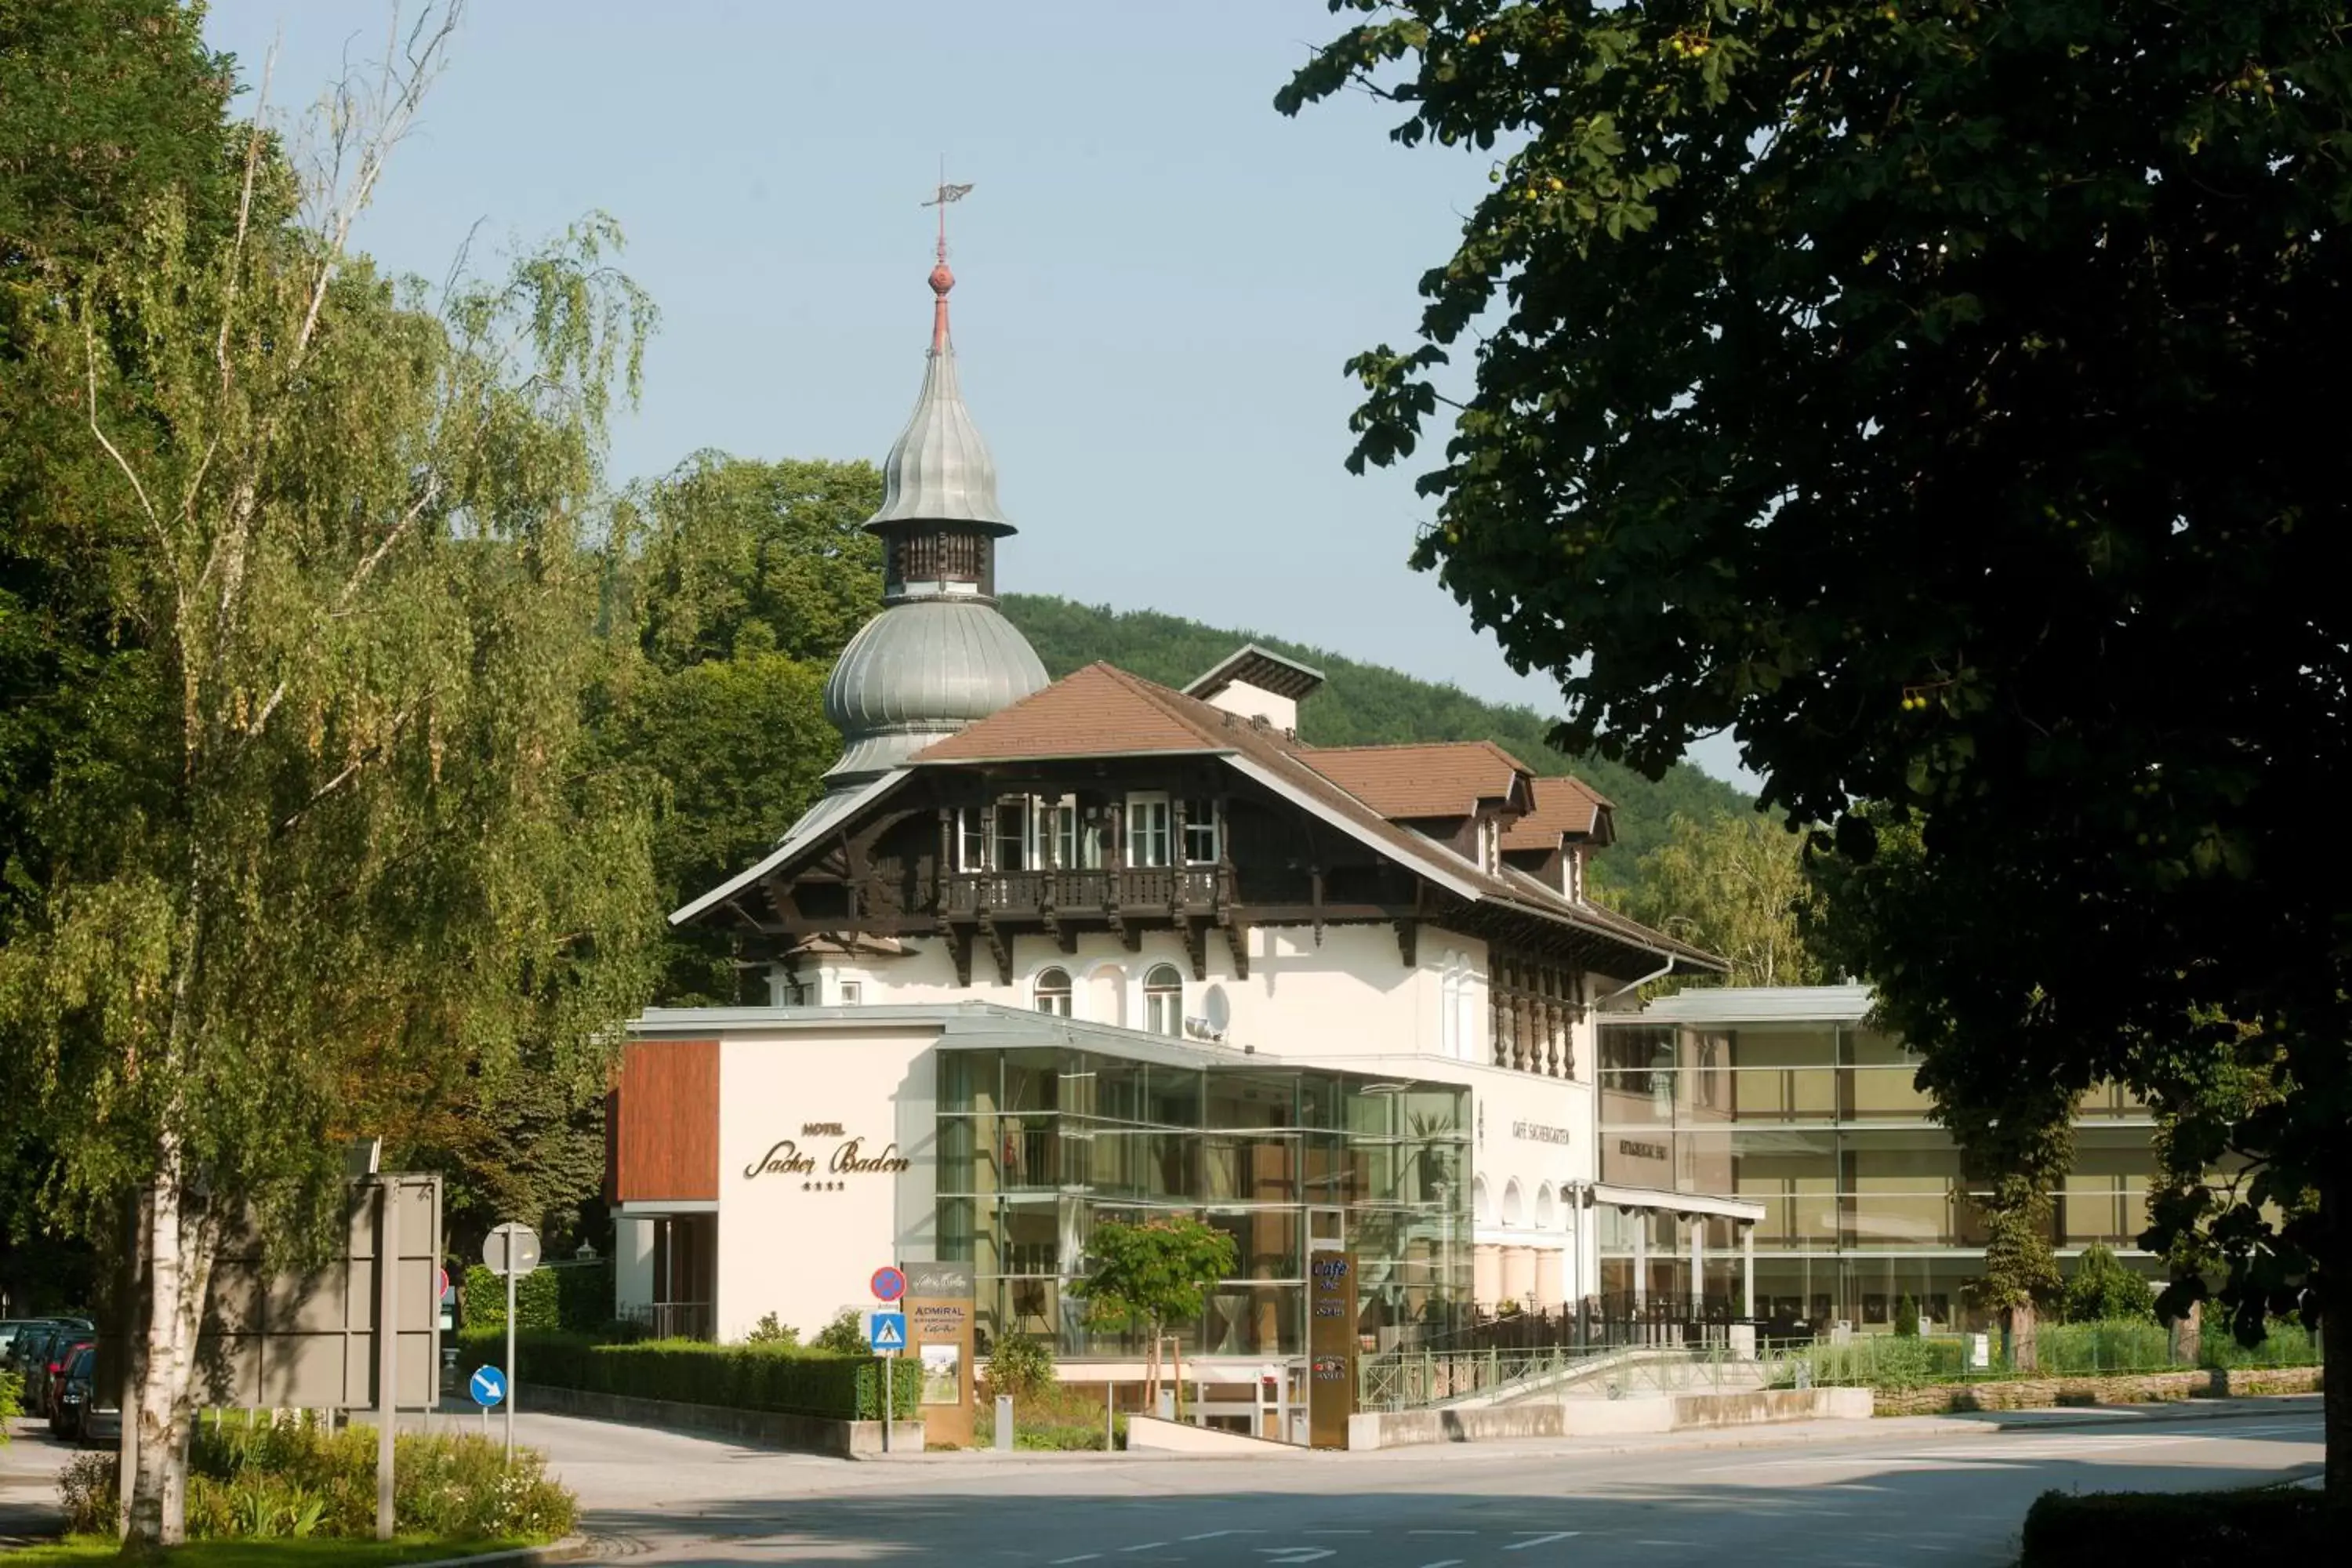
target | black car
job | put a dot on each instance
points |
(43, 1366)
(85, 1414)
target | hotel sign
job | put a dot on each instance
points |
(827, 1168)
(1537, 1132)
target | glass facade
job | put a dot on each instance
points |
(1864, 1196)
(1037, 1144)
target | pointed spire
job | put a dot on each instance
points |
(938, 470)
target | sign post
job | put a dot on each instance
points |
(886, 1334)
(510, 1249)
(489, 1387)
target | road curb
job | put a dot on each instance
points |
(571, 1549)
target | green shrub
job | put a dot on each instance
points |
(793, 1380)
(2285, 1343)
(11, 1402)
(844, 1335)
(2103, 1289)
(1053, 1420)
(250, 1479)
(769, 1331)
(1906, 1316)
(576, 1296)
(2174, 1529)
(1021, 1366)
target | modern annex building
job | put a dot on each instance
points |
(1048, 952)
(1786, 1099)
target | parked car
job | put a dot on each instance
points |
(44, 1374)
(86, 1413)
(15, 1329)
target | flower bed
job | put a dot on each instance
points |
(249, 1478)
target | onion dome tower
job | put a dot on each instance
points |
(938, 656)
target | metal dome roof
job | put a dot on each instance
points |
(938, 470)
(919, 671)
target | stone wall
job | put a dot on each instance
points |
(2142, 1388)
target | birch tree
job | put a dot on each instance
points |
(340, 847)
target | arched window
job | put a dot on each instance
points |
(1053, 992)
(1164, 1000)
(1543, 1207)
(1514, 1206)
(1481, 1209)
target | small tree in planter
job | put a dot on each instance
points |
(1906, 1316)
(1149, 1275)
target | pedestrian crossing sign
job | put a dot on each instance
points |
(886, 1331)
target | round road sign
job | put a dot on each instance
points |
(512, 1249)
(889, 1284)
(488, 1386)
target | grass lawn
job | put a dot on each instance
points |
(83, 1551)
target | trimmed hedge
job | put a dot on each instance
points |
(2175, 1530)
(574, 1296)
(789, 1378)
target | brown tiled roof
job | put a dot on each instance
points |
(1097, 711)
(1105, 712)
(1440, 779)
(1564, 806)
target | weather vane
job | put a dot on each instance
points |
(946, 194)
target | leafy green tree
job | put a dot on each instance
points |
(1020, 1365)
(1150, 1274)
(336, 828)
(2102, 1289)
(1922, 392)
(1733, 885)
(743, 580)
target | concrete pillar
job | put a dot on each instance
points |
(1698, 1224)
(1747, 1272)
(1486, 1274)
(633, 1265)
(1518, 1274)
(1641, 1258)
(1550, 1274)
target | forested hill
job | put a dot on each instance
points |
(1365, 704)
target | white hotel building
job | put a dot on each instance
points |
(1048, 952)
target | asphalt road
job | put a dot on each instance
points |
(1932, 1492)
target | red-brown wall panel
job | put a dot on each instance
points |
(663, 1126)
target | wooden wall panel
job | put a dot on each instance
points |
(663, 1126)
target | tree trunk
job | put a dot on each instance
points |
(2333, 1253)
(2024, 1350)
(175, 1246)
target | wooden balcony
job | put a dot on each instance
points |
(1142, 892)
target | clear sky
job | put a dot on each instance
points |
(1159, 277)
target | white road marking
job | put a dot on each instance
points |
(1146, 1546)
(1081, 1557)
(1541, 1540)
(1212, 1535)
(1445, 1562)
(1297, 1554)
(1441, 1532)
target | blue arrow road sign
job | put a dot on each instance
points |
(886, 1330)
(489, 1387)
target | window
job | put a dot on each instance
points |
(1164, 998)
(1200, 833)
(971, 839)
(852, 992)
(1053, 992)
(1147, 830)
(1077, 836)
(1012, 826)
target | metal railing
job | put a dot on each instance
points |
(1414, 1380)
